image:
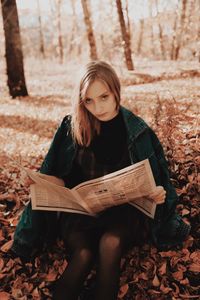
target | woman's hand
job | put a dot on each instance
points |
(158, 195)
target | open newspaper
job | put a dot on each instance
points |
(132, 185)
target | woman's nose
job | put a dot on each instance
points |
(98, 108)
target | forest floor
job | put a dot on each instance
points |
(167, 96)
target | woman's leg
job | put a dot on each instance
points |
(81, 246)
(121, 227)
(110, 252)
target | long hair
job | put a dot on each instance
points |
(84, 125)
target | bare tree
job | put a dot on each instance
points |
(90, 34)
(182, 27)
(128, 21)
(14, 57)
(151, 28)
(139, 46)
(160, 32)
(74, 32)
(60, 41)
(198, 36)
(173, 46)
(125, 37)
(42, 51)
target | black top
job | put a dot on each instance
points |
(107, 153)
(110, 144)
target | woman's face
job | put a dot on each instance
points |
(100, 101)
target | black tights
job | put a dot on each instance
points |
(102, 240)
(110, 248)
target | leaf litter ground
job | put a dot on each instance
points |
(168, 99)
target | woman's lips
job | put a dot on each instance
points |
(101, 115)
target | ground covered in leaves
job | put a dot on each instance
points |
(167, 97)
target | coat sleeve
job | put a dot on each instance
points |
(35, 226)
(170, 230)
(171, 197)
(48, 165)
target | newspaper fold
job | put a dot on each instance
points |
(130, 185)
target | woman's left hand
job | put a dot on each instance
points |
(158, 195)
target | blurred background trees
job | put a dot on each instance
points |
(119, 31)
(13, 49)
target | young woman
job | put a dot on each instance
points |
(99, 137)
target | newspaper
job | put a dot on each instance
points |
(132, 185)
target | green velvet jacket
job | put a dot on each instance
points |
(35, 227)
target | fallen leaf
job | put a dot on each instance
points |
(163, 268)
(1, 264)
(178, 275)
(156, 281)
(185, 281)
(51, 276)
(168, 253)
(194, 267)
(185, 212)
(123, 291)
(4, 296)
(7, 246)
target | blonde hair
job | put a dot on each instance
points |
(84, 125)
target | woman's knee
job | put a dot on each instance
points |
(110, 243)
(84, 255)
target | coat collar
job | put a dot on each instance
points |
(134, 124)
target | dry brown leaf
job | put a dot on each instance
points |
(4, 296)
(17, 293)
(123, 291)
(143, 276)
(156, 281)
(165, 289)
(51, 276)
(36, 294)
(194, 267)
(177, 290)
(168, 253)
(2, 276)
(62, 267)
(185, 212)
(178, 275)
(188, 242)
(1, 264)
(14, 221)
(7, 196)
(195, 256)
(163, 268)
(4, 221)
(7, 246)
(185, 281)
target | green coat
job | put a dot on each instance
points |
(36, 226)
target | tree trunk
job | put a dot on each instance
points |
(14, 57)
(60, 41)
(128, 21)
(125, 37)
(90, 34)
(140, 36)
(151, 28)
(160, 32)
(198, 39)
(40, 31)
(179, 37)
(74, 33)
(174, 37)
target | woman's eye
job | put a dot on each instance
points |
(104, 97)
(87, 101)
